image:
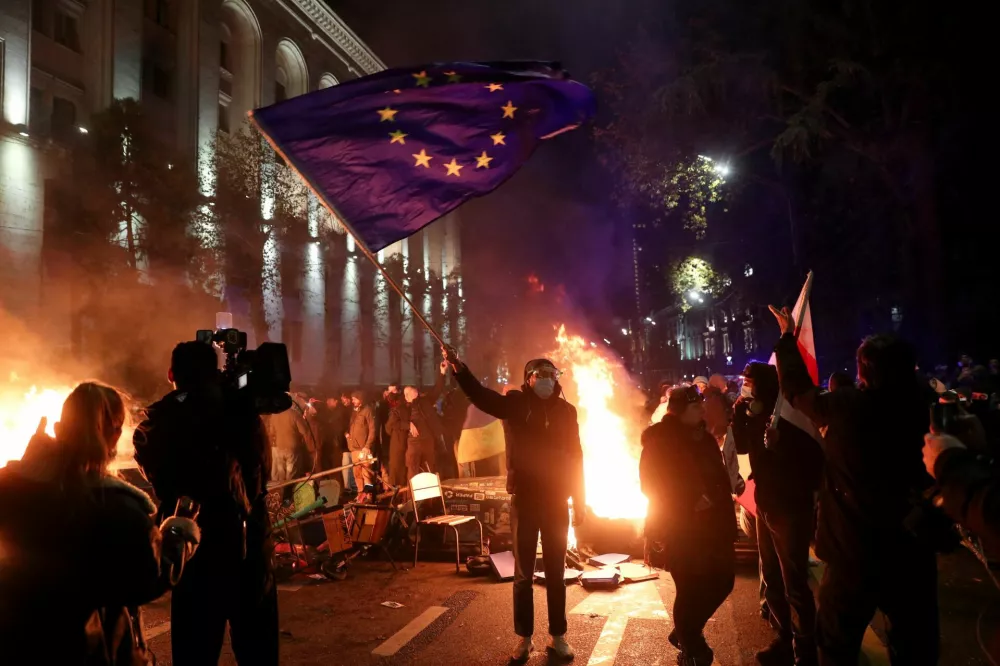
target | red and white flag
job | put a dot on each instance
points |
(802, 316)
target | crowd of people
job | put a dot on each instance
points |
(891, 462)
(867, 472)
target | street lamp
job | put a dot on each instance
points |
(695, 296)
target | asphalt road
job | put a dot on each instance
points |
(455, 619)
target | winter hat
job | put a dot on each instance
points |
(700, 380)
(681, 397)
(359, 395)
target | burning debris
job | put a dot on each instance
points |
(22, 406)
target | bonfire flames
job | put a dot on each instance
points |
(23, 404)
(598, 385)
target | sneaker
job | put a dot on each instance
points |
(523, 649)
(561, 647)
(778, 653)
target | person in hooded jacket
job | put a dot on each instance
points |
(397, 427)
(544, 470)
(79, 548)
(690, 523)
(787, 476)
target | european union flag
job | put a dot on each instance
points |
(394, 151)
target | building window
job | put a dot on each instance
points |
(224, 57)
(65, 31)
(63, 118)
(36, 110)
(158, 11)
(749, 343)
(223, 118)
(710, 346)
(727, 345)
(38, 23)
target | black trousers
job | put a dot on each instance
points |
(903, 585)
(217, 590)
(528, 519)
(783, 539)
(704, 576)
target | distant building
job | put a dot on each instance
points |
(198, 66)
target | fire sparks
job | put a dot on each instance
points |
(22, 406)
(597, 384)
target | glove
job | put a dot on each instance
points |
(935, 445)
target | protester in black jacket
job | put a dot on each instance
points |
(203, 443)
(79, 549)
(786, 476)
(545, 468)
(690, 524)
(426, 432)
(873, 470)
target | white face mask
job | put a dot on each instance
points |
(746, 392)
(544, 388)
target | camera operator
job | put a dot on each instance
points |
(873, 470)
(202, 442)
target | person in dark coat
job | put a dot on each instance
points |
(397, 428)
(786, 476)
(79, 548)
(690, 523)
(545, 469)
(206, 444)
(873, 469)
(426, 432)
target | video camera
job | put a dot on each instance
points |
(262, 376)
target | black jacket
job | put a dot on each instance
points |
(785, 475)
(874, 467)
(424, 416)
(75, 568)
(544, 455)
(679, 466)
(203, 446)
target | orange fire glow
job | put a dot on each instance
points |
(22, 405)
(597, 383)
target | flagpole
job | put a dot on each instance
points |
(351, 232)
(805, 293)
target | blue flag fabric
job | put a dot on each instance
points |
(394, 151)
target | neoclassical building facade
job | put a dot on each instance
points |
(197, 67)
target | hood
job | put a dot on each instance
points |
(120, 485)
(765, 379)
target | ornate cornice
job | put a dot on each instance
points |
(341, 35)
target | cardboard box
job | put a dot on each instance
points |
(487, 499)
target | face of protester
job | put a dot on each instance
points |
(693, 414)
(345, 400)
(392, 390)
(966, 361)
(702, 387)
(331, 402)
(747, 390)
(356, 402)
(410, 394)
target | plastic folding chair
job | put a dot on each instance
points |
(427, 486)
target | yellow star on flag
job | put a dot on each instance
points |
(453, 168)
(422, 79)
(387, 114)
(498, 139)
(508, 111)
(483, 161)
(493, 87)
(423, 159)
(453, 77)
(398, 137)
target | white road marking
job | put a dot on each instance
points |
(396, 642)
(638, 600)
(158, 630)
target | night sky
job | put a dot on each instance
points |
(555, 217)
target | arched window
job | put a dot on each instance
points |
(328, 80)
(239, 63)
(291, 76)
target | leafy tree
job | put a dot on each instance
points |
(694, 278)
